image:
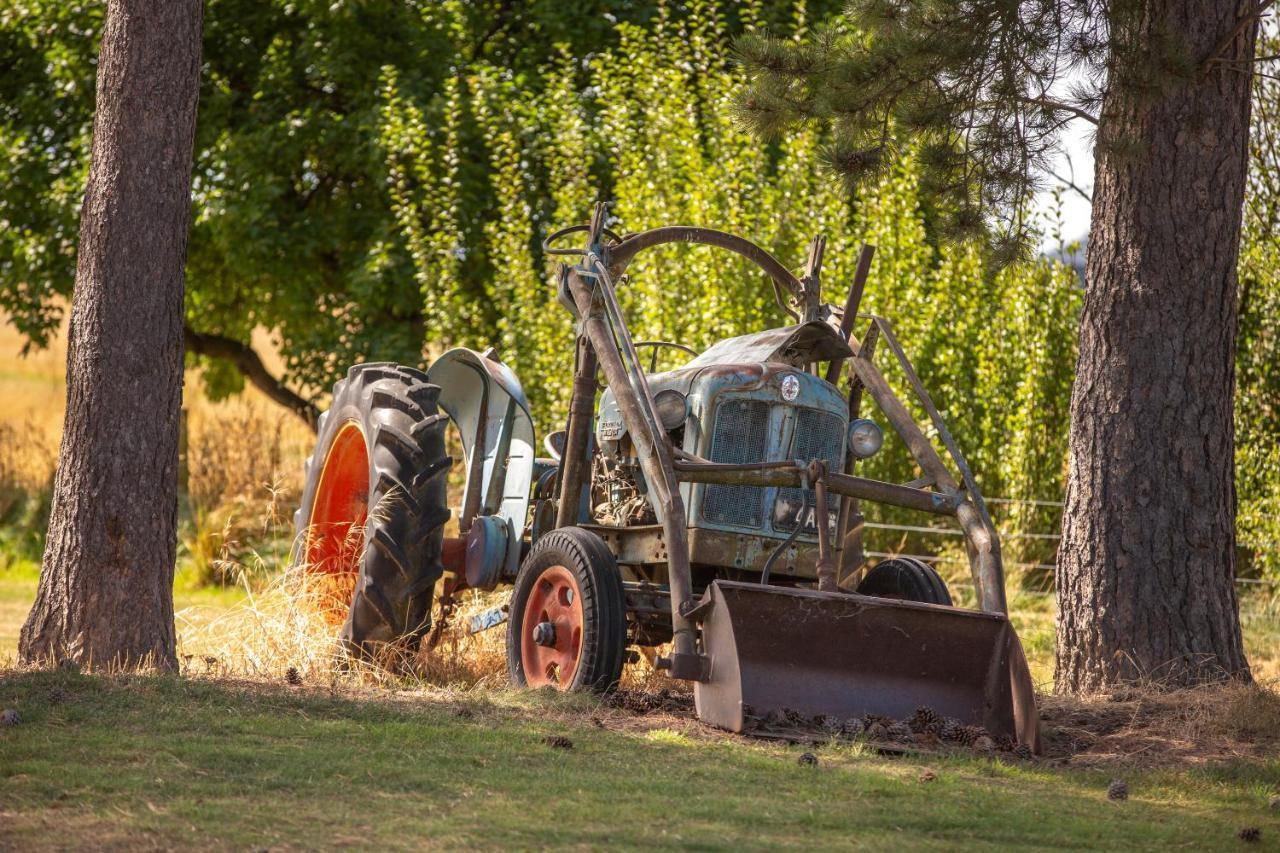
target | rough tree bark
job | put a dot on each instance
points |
(1147, 561)
(106, 588)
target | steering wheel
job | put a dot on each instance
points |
(573, 229)
(657, 345)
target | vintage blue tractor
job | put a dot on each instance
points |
(710, 509)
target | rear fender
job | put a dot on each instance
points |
(471, 383)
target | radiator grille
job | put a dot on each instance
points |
(740, 436)
(818, 435)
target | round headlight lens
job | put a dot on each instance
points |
(672, 408)
(865, 438)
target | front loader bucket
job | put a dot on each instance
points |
(847, 655)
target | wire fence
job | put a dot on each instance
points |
(932, 559)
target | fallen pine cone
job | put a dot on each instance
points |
(852, 727)
(1023, 752)
(1117, 790)
(925, 720)
(9, 717)
(292, 676)
(928, 776)
(1275, 804)
(808, 759)
(1250, 834)
(558, 742)
(984, 744)
(951, 729)
(901, 733)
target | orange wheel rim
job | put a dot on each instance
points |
(550, 655)
(335, 531)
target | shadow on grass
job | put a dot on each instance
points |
(168, 761)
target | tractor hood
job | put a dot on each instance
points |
(757, 364)
(796, 346)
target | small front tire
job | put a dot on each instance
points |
(905, 579)
(568, 627)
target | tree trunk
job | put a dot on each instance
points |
(106, 587)
(1147, 561)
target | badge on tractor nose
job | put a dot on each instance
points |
(790, 388)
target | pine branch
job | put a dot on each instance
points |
(1224, 44)
(1062, 107)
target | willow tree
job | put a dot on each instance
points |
(1147, 560)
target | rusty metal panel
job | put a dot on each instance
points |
(642, 545)
(796, 346)
(849, 655)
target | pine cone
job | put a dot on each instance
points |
(900, 732)
(852, 727)
(951, 729)
(877, 732)
(984, 744)
(776, 718)
(292, 676)
(1006, 743)
(1023, 752)
(808, 759)
(925, 720)
(1117, 790)
(9, 717)
(1250, 834)
(558, 742)
(969, 734)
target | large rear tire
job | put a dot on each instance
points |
(568, 623)
(905, 579)
(371, 524)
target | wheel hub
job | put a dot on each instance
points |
(544, 634)
(551, 630)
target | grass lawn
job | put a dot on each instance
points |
(164, 761)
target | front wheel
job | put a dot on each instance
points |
(905, 579)
(568, 627)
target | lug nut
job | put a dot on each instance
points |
(544, 634)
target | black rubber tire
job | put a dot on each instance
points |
(604, 609)
(907, 579)
(395, 408)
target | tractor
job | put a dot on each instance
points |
(711, 511)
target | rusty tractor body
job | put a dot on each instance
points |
(722, 499)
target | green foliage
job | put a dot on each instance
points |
(969, 85)
(1258, 349)
(649, 124)
(294, 192)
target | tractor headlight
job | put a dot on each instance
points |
(672, 408)
(865, 438)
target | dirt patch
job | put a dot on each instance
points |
(1163, 728)
(1142, 728)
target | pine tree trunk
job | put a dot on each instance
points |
(106, 588)
(1147, 561)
